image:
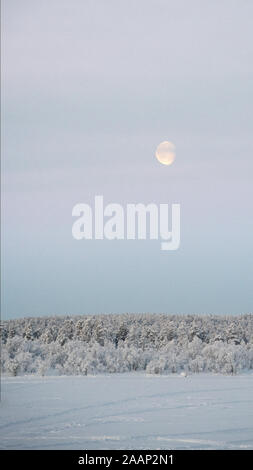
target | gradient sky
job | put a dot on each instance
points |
(89, 90)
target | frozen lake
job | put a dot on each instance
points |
(127, 411)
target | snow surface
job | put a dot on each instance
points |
(127, 411)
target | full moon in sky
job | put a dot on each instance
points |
(166, 152)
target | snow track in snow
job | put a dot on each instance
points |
(127, 411)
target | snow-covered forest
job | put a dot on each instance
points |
(132, 342)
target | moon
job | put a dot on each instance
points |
(166, 152)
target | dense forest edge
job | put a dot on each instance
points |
(156, 344)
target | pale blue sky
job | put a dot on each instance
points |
(89, 90)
